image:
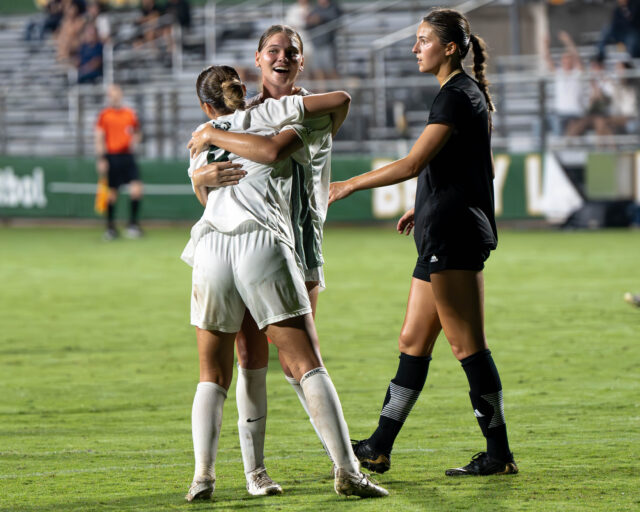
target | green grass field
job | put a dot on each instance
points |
(98, 368)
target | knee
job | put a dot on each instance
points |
(298, 368)
(460, 351)
(413, 343)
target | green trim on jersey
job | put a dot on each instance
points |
(224, 156)
(303, 232)
(211, 155)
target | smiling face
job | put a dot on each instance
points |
(430, 51)
(280, 61)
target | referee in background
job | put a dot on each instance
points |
(117, 133)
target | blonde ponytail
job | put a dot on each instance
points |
(233, 94)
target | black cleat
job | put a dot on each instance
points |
(377, 462)
(482, 465)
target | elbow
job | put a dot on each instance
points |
(271, 155)
(346, 98)
(412, 169)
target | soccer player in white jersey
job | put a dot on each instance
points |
(280, 59)
(242, 253)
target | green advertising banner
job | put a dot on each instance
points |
(65, 188)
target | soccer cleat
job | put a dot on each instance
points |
(482, 465)
(369, 458)
(133, 231)
(110, 234)
(632, 299)
(259, 483)
(200, 490)
(357, 484)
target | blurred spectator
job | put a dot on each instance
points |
(148, 28)
(599, 106)
(624, 100)
(180, 12)
(68, 37)
(324, 38)
(49, 21)
(100, 19)
(90, 55)
(296, 17)
(568, 86)
(624, 28)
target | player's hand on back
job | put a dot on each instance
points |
(200, 140)
(406, 222)
(218, 174)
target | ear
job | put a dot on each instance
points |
(207, 109)
(257, 59)
(451, 48)
(301, 63)
(244, 89)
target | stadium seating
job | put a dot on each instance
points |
(39, 97)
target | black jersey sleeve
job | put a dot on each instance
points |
(451, 107)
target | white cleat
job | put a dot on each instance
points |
(259, 483)
(357, 484)
(200, 490)
(133, 231)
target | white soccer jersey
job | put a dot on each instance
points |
(315, 158)
(263, 195)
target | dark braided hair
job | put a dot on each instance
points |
(451, 26)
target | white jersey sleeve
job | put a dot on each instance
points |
(276, 114)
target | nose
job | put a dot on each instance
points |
(415, 48)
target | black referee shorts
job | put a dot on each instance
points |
(434, 263)
(122, 169)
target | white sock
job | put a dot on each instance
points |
(251, 397)
(298, 389)
(326, 411)
(206, 419)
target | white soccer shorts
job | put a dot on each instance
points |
(251, 268)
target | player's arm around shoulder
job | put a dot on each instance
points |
(327, 103)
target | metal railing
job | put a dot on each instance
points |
(169, 113)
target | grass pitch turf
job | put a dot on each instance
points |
(98, 368)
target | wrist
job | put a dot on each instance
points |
(350, 186)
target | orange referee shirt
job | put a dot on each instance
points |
(119, 125)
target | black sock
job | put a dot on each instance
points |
(111, 208)
(135, 206)
(485, 391)
(402, 393)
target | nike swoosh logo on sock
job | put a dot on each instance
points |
(251, 420)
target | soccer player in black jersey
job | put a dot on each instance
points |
(454, 233)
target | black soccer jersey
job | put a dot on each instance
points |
(454, 200)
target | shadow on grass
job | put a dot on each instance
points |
(231, 499)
